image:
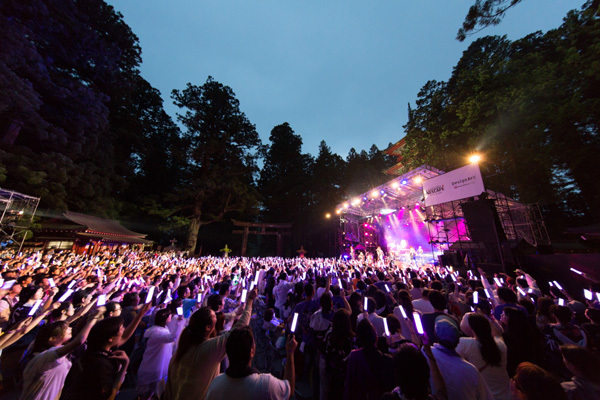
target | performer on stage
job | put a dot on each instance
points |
(379, 254)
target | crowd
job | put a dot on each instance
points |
(85, 326)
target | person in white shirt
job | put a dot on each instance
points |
(423, 305)
(486, 353)
(463, 381)
(241, 381)
(375, 319)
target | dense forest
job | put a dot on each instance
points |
(81, 128)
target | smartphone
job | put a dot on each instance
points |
(101, 300)
(475, 297)
(385, 326)
(294, 322)
(150, 293)
(244, 294)
(65, 295)
(561, 302)
(588, 294)
(418, 323)
(36, 305)
(179, 310)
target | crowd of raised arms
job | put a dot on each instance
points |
(171, 327)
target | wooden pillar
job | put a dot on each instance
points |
(245, 240)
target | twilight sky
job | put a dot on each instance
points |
(342, 71)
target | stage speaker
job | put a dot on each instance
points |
(483, 221)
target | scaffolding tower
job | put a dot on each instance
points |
(17, 212)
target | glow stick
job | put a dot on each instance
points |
(101, 300)
(366, 303)
(418, 323)
(1, 282)
(498, 283)
(385, 326)
(199, 297)
(475, 297)
(588, 294)
(51, 282)
(179, 310)
(388, 289)
(487, 294)
(551, 284)
(558, 285)
(576, 271)
(9, 284)
(256, 278)
(65, 295)
(403, 312)
(521, 291)
(244, 293)
(472, 309)
(251, 285)
(150, 293)
(36, 305)
(561, 302)
(598, 295)
(453, 278)
(294, 322)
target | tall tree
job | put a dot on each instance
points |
(285, 180)
(222, 151)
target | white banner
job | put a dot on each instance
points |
(454, 185)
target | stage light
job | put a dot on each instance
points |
(386, 211)
(327, 215)
(418, 180)
(474, 158)
(375, 193)
(338, 211)
(404, 182)
(395, 185)
(356, 201)
(346, 205)
(365, 198)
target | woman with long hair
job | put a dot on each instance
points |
(523, 343)
(152, 372)
(339, 342)
(486, 353)
(199, 354)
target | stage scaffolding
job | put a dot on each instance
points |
(446, 222)
(17, 215)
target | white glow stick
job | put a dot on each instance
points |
(244, 293)
(588, 294)
(101, 300)
(472, 309)
(487, 294)
(475, 297)
(385, 326)
(561, 302)
(598, 295)
(150, 293)
(521, 291)
(403, 312)
(65, 295)
(418, 323)
(51, 282)
(36, 305)
(179, 310)
(294, 322)
(576, 271)
(551, 284)
(251, 285)
(558, 285)
(498, 283)
(256, 278)
(9, 284)
(199, 297)
(366, 304)
(388, 289)
(453, 277)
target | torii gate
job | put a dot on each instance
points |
(281, 229)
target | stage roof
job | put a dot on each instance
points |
(402, 191)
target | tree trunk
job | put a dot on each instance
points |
(192, 235)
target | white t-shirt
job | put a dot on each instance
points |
(422, 305)
(496, 377)
(463, 381)
(44, 376)
(252, 387)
